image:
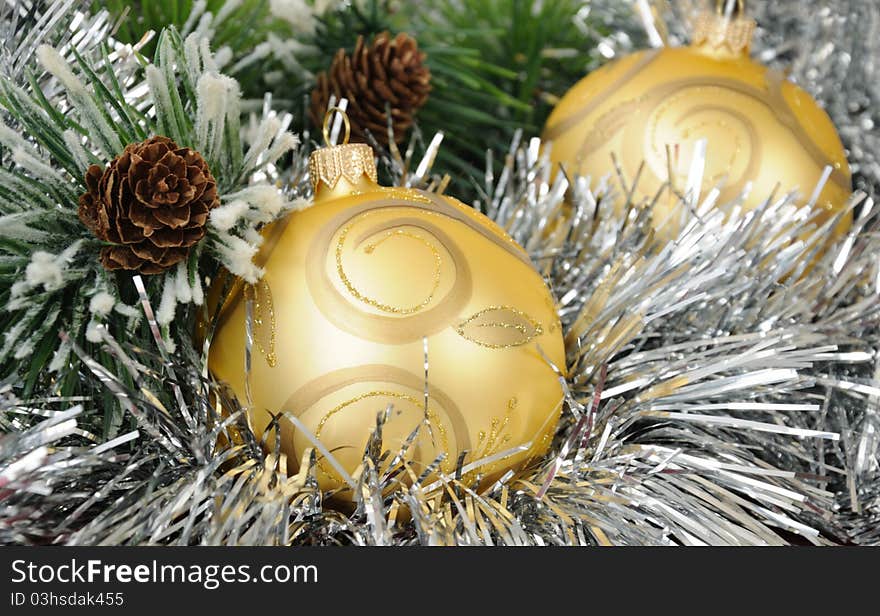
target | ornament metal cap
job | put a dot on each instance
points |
(725, 30)
(331, 163)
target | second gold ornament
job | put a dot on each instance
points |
(655, 106)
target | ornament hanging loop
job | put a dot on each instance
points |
(326, 129)
(353, 161)
(738, 9)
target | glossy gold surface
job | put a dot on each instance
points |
(355, 283)
(654, 106)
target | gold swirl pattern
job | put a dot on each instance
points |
(369, 249)
(737, 155)
(443, 417)
(431, 417)
(500, 327)
(564, 125)
(396, 214)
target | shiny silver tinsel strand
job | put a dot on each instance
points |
(66, 25)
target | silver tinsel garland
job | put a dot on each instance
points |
(722, 388)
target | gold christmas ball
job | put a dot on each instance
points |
(356, 288)
(655, 106)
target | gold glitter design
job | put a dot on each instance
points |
(407, 194)
(501, 319)
(395, 192)
(264, 319)
(335, 302)
(433, 418)
(311, 393)
(743, 141)
(491, 443)
(562, 126)
(369, 248)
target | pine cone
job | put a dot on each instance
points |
(152, 202)
(389, 70)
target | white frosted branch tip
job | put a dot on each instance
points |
(102, 303)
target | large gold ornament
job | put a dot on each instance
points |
(356, 289)
(656, 105)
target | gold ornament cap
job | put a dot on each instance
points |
(351, 161)
(723, 31)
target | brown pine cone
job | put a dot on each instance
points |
(152, 202)
(391, 70)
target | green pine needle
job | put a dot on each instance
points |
(49, 267)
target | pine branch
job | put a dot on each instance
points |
(69, 113)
